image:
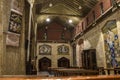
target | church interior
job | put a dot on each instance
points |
(60, 39)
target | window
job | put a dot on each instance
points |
(82, 27)
(93, 15)
(101, 7)
(87, 20)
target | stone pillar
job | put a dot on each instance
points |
(29, 31)
(78, 55)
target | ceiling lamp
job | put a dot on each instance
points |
(119, 4)
(48, 19)
(50, 5)
(70, 21)
(80, 7)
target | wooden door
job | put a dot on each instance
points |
(44, 63)
(63, 62)
(89, 59)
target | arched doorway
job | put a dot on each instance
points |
(63, 62)
(44, 63)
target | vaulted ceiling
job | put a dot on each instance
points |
(62, 10)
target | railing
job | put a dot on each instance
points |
(109, 71)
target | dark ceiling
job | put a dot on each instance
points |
(62, 10)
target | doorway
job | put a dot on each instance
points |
(63, 62)
(44, 63)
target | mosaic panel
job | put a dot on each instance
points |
(111, 43)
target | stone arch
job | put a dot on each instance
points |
(44, 63)
(63, 62)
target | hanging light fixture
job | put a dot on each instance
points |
(45, 36)
(70, 21)
(48, 19)
(79, 7)
(50, 5)
(63, 35)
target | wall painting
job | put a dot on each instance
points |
(15, 22)
(63, 49)
(45, 49)
(111, 43)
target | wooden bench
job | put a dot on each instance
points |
(72, 72)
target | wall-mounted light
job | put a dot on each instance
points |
(45, 36)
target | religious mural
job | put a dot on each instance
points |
(63, 49)
(111, 43)
(14, 28)
(45, 49)
(15, 22)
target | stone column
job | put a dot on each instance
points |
(29, 31)
(78, 54)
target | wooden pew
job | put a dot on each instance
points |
(75, 72)
(53, 70)
(108, 71)
(72, 71)
(117, 70)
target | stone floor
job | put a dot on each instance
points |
(45, 73)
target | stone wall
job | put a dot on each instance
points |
(54, 54)
(12, 59)
(93, 39)
(5, 12)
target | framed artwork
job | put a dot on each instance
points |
(63, 49)
(45, 49)
(15, 22)
(12, 39)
